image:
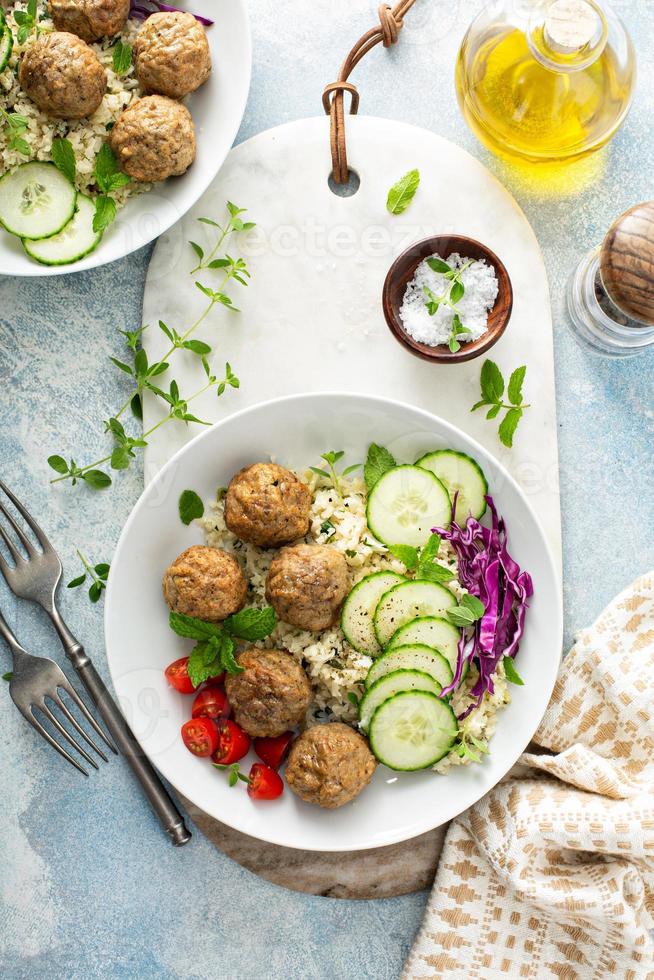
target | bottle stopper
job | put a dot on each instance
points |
(570, 25)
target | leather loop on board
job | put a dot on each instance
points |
(388, 32)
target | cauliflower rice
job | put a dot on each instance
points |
(334, 667)
(85, 135)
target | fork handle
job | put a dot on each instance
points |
(160, 800)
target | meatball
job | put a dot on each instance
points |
(306, 585)
(267, 505)
(62, 76)
(271, 695)
(90, 19)
(154, 139)
(206, 583)
(329, 765)
(171, 55)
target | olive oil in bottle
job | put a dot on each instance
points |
(545, 80)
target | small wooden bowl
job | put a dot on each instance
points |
(403, 270)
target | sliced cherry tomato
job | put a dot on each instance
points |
(265, 783)
(200, 736)
(177, 676)
(210, 702)
(233, 743)
(273, 751)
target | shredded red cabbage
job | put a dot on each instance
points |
(487, 571)
(143, 9)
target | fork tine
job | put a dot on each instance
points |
(11, 547)
(78, 728)
(45, 544)
(20, 534)
(29, 717)
(72, 693)
(52, 718)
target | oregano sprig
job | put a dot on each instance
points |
(492, 396)
(98, 575)
(331, 458)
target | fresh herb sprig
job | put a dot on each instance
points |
(234, 224)
(452, 295)
(492, 394)
(332, 458)
(63, 157)
(108, 177)
(123, 452)
(190, 506)
(422, 561)
(15, 126)
(467, 746)
(469, 610)
(97, 574)
(213, 652)
(27, 21)
(144, 375)
(403, 192)
(234, 773)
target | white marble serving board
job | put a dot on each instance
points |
(311, 318)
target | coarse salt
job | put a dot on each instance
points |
(481, 287)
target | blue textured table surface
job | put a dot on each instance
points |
(89, 886)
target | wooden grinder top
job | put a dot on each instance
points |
(627, 262)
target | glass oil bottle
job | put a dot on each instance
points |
(545, 80)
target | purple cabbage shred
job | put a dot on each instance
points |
(142, 10)
(487, 571)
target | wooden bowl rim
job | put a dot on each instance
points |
(441, 354)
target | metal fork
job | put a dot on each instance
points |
(35, 575)
(37, 680)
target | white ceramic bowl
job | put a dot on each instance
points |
(295, 431)
(217, 109)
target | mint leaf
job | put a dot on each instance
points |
(379, 461)
(430, 550)
(460, 616)
(105, 165)
(406, 554)
(515, 385)
(252, 624)
(194, 629)
(105, 213)
(474, 604)
(190, 506)
(63, 157)
(430, 572)
(492, 382)
(206, 660)
(511, 674)
(402, 193)
(508, 425)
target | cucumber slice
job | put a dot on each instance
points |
(74, 241)
(459, 473)
(432, 631)
(36, 201)
(408, 601)
(405, 504)
(358, 609)
(414, 656)
(389, 685)
(6, 44)
(412, 730)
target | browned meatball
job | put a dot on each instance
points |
(271, 695)
(62, 76)
(267, 505)
(154, 139)
(206, 583)
(306, 585)
(90, 19)
(171, 54)
(329, 765)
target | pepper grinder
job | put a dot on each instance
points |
(611, 293)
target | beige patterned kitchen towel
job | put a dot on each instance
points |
(552, 873)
